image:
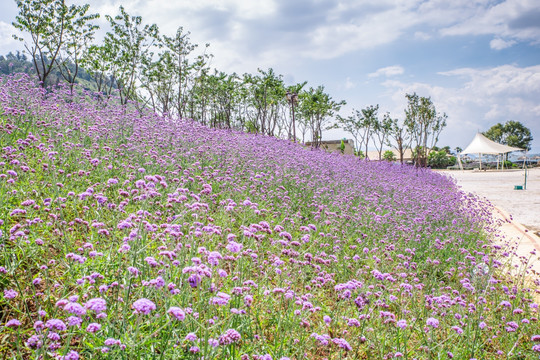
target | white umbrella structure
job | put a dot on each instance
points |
(482, 145)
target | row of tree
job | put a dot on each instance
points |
(172, 76)
(420, 129)
(140, 65)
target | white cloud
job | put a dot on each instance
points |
(349, 84)
(510, 19)
(7, 42)
(485, 97)
(499, 44)
(247, 34)
(420, 35)
(502, 81)
(387, 71)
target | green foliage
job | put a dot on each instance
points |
(315, 108)
(512, 133)
(424, 124)
(361, 126)
(126, 47)
(399, 133)
(389, 155)
(14, 63)
(381, 130)
(59, 33)
(439, 159)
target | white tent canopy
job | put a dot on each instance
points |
(482, 145)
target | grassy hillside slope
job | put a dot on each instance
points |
(131, 236)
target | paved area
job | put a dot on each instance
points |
(519, 210)
(498, 188)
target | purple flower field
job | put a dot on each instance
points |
(131, 236)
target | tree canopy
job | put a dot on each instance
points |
(512, 133)
(172, 76)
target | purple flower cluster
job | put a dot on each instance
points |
(143, 306)
(229, 337)
(237, 230)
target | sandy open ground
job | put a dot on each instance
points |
(498, 187)
(520, 209)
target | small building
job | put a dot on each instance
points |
(336, 145)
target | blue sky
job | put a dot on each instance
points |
(478, 60)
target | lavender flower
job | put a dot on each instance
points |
(143, 306)
(10, 294)
(178, 313)
(55, 324)
(97, 305)
(72, 355)
(74, 321)
(194, 280)
(229, 337)
(93, 327)
(75, 308)
(342, 343)
(34, 342)
(402, 324)
(432, 322)
(234, 247)
(13, 323)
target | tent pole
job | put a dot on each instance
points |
(480, 157)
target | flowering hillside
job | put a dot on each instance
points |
(129, 236)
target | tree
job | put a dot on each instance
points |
(424, 124)
(183, 70)
(369, 121)
(97, 61)
(15, 63)
(292, 98)
(316, 107)
(79, 35)
(354, 126)
(401, 137)
(381, 130)
(512, 133)
(362, 125)
(267, 100)
(49, 23)
(126, 47)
